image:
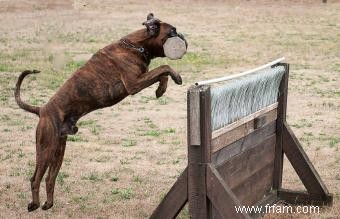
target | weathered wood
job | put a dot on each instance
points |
(221, 195)
(239, 168)
(232, 136)
(269, 199)
(243, 120)
(241, 131)
(206, 130)
(205, 123)
(198, 207)
(304, 198)
(249, 141)
(198, 155)
(229, 77)
(256, 186)
(196, 170)
(281, 118)
(263, 120)
(301, 163)
(193, 117)
(214, 213)
(174, 201)
(174, 48)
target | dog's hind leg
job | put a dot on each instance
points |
(45, 147)
(39, 172)
(53, 172)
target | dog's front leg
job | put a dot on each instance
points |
(163, 84)
(135, 83)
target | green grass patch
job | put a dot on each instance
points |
(153, 133)
(137, 179)
(331, 93)
(76, 138)
(169, 130)
(103, 159)
(118, 195)
(129, 142)
(332, 140)
(191, 61)
(146, 99)
(176, 142)
(80, 199)
(302, 123)
(124, 194)
(163, 100)
(94, 177)
(61, 177)
(123, 162)
(74, 65)
(84, 123)
(95, 129)
(114, 178)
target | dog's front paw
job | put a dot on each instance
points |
(160, 91)
(47, 206)
(32, 206)
(177, 78)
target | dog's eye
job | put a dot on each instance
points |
(172, 32)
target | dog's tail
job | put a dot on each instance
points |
(22, 105)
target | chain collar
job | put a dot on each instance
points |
(127, 44)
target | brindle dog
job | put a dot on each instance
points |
(114, 72)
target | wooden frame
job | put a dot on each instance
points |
(241, 163)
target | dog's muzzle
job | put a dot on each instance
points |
(175, 47)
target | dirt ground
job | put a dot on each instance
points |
(125, 158)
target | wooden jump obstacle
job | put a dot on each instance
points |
(241, 163)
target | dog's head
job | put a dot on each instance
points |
(158, 33)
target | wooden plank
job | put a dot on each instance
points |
(281, 118)
(174, 201)
(239, 168)
(301, 163)
(256, 186)
(229, 77)
(198, 207)
(206, 130)
(205, 123)
(243, 120)
(221, 195)
(198, 155)
(241, 131)
(249, 141)
(214, 213)
(303, 198)
(263, 120)
(268, 199)
(193, 117)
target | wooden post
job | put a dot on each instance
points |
(174, 201)
(222, 197)
(199, 138)
(281, 118)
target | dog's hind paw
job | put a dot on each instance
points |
(32, 206)
(47, 206)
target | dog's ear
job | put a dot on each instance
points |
(149, 17)
(152, 25)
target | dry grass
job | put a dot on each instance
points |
(125, 158)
